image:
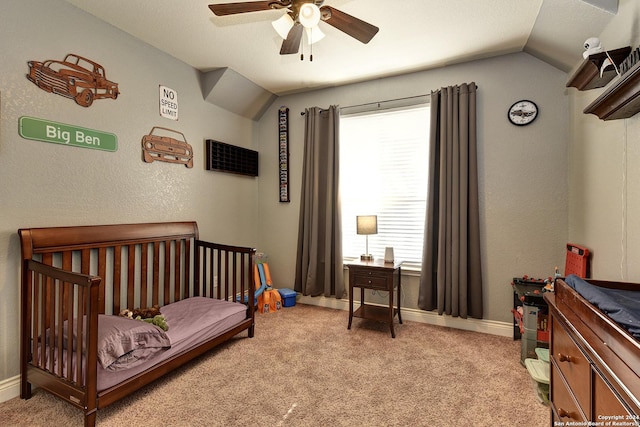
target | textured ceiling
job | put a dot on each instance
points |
(414, 35)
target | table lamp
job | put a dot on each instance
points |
(367, 224)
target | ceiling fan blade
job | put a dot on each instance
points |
(292, 43)
(356, 28)
(240, 7)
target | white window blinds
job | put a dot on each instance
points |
(383, 172)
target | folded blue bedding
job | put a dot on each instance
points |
(622, 306)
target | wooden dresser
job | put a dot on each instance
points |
(595, 365)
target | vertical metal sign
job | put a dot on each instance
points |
(283, 158)
(168, 103)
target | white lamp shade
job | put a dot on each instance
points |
(367, 224)
(309, 15)
(283, 25)
(314, 34)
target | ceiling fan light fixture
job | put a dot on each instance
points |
(314, 34)
(283, 25)
(309, 15)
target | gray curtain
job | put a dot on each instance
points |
(451, 278)
(319, 260)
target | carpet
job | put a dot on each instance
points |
(304, 368)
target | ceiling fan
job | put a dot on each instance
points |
(301, 15)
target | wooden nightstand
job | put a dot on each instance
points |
(376, 275)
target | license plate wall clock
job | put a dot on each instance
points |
(166, 145)
(74, 77)
(523, 112)
(283, 157)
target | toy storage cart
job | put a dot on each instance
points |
(530, 309)
(539, 370)
(531, 318)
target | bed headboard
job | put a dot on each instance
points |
(125, 256)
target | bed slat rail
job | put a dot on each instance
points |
(224, 272)
(56, 306)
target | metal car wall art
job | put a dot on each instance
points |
(158, 145)
(73, 77)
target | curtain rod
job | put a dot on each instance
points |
(387, 100)
(302, 113)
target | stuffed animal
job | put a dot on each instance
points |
(126, 313)
(150, 315)
(157, 320)
(143, 313)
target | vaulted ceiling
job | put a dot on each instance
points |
(414, 35)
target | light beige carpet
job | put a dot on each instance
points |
(304, 368)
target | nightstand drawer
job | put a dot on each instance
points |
(573, 365)
(371, 280)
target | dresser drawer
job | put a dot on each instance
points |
(563, 405)
(606, 405)
(572, 363)
(370, 279)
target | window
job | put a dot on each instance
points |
(384, 172)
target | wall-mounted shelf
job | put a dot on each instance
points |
(230, 158)
(588, 75)
(621, 100)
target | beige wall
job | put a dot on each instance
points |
(604, 179)
(531, 203)
(523, 178)
(44, 184)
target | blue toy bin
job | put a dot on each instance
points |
(288, 297)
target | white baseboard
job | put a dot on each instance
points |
(492, 327)
(9, 388)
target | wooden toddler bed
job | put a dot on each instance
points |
(76, 280)
(594, 352)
